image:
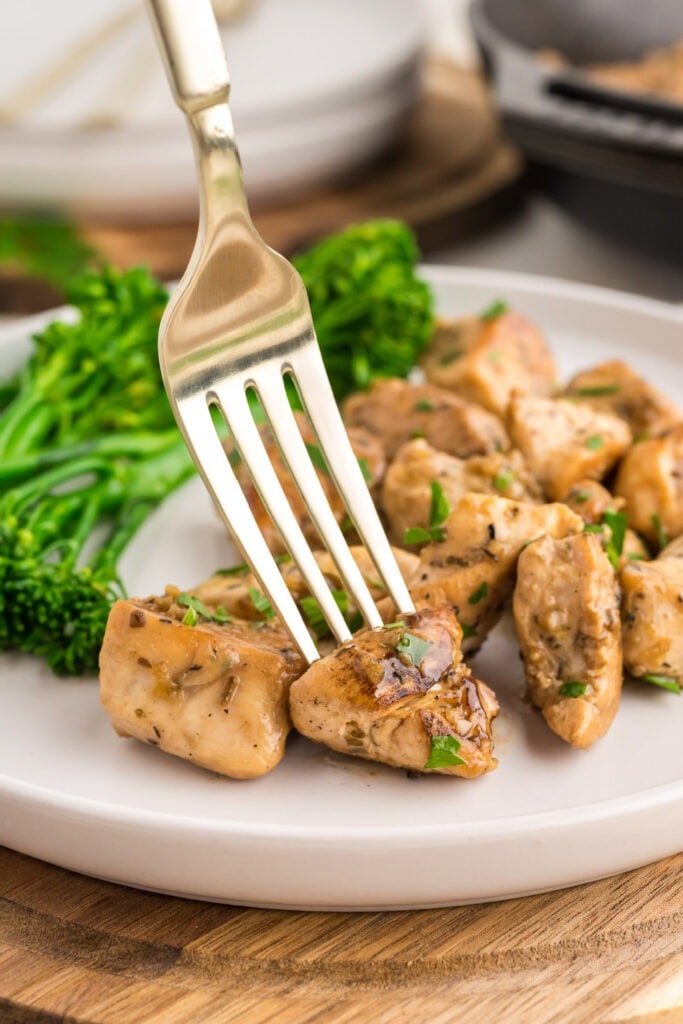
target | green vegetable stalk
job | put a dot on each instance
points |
(88, 443)
(372, 314)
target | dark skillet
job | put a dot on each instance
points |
(614, 158)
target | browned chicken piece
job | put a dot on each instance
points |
(486, 359)
(615, 387)
(395, 411)
(652, 616)
(563, 441)
(590, 500)
(407, 487)
(216, 695)
(566, 610)
(368, 450)
(650, 479)
(234, 589)
(474, 566)
(388, 694)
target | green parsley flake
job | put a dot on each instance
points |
(417, 535)
(394, 625)
(573, 688)
(414, 646)
(502, 480)
(190, 618)
(315, 616)
(592, 528)
(440, 508)
(598, 391)
(450, 357)
(479, 594)
(581, 497)
(617, 523)
(424, 405)
(662, 535)
(416, 435)
(443, 753)
(261, 603)
(594, 442)
(365, 469)
(669, 683)
(467, 631)
(317, 457)
(196, 609)
(493, 311)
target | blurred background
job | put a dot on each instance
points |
(530, 135)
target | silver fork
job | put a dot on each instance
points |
(239, 320)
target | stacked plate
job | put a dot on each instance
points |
(87, 123)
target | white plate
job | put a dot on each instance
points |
(319, 86)
(324, 830)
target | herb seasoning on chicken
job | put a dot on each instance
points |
(401, 695)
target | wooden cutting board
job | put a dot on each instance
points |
(75, 950)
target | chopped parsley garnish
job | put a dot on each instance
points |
(594, 442)
(314, 613)
(493, 311)
(573, 688)
(443, 753)
(479, 594)
(393, 625)
(196, 608)
(414, 646)
(617, 523)
(467, 631)
(234, 570)
(416, 435)
(592, 528)
(581, 496)
(450, 357)
(440, 508)
(502, 480)
(365, 469)
(424, 405)
(317, 457)
(635, 556)
(662, 535)
(417, 535)
(190, 618)
(261, 603)
(665, 682)
(598, 391)
(439, 511)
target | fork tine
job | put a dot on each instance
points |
(235, 408)
(271, 391)
(200, 434)
(321, 408)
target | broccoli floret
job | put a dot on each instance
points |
(373, 316)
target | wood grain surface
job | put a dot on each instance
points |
(74, 949)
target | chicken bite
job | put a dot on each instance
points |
(650, 479)
(399, 694)
(590, 500)
(486, 358)
(235, 589)
(368, 451)
(395, 411)
(652, 616)
(615, 387)
(563, 441)
(473, 568)
(407, 487)
(598, 508)
(566, 610)
(216, 695)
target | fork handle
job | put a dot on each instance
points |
(193, 52)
